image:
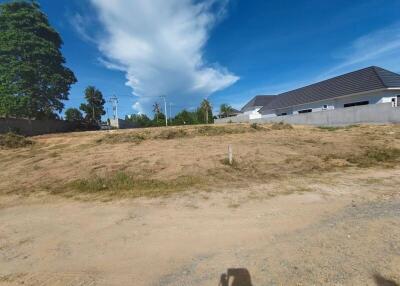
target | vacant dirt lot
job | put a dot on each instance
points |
(302, 206)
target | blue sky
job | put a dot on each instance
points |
(226, 50)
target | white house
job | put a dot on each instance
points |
(372, 85)
(253, 107)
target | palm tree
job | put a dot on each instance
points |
(206, 107)
(225, 110)
(94, 108)
(156, 109)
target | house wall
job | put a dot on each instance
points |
(373, 98)
(253, 114)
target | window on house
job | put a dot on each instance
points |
(358, 103)
(282, 114)
(305, 111)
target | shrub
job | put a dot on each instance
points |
(125, 184)
(375, 155)
(281, 126)
(136, 138)
(12, 141)
(255, 126)
(171, 134)
(214, 131)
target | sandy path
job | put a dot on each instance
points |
(309, 239)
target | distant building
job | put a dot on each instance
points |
(233, 112)
(122, 124)
(372, 85)
(362, 96)
(253, 107)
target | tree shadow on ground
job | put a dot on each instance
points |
(236, 277)
(382, 281)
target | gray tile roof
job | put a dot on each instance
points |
(367, 79)
(259, 100)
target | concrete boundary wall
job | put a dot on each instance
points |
(375, 114)
(233, 119)
(36, 127)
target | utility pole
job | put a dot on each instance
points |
(165, 109)
(170, 113)
(114, 101)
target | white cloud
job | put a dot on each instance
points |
(159, 45)
(381, 47)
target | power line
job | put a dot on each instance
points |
(114, 101)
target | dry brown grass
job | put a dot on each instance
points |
(14, 141)
(161, 161)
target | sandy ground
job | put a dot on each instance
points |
(336, 236)
(323, 222)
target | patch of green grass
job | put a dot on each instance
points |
(14, 141)
(124, 184)
(281, 126)
(221, 130)
(376, 155)
(226, 162)
(336, 128)
(330, 128)
(256, 126)
(172, 134)
(135, 138)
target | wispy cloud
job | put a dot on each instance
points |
(381, 47)
(159, 45)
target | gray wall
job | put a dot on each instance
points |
(235, 119)
(122, 124)
(374, 113)
(35, 127)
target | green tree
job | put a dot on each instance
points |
(142, 120)
(73, 114)
(225, 110)
(185, 118)
(94, 108)
(156, 110)
(33, 78)
(206, 110)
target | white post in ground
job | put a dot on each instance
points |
(230, 154)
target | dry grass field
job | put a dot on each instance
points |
(163, 206)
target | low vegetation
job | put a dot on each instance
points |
(115, 138)
(124, 184)
(281, 126)
(13, 141)
(134, 163)
(336, 128)
(171, 134)
(376, 155)
(137, 137)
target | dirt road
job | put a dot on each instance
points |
(327, 237)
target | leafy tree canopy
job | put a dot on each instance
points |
(73, 114)
(225, 110)
(142, 120)
(94, 108)
(205, 109)
(33, 78)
